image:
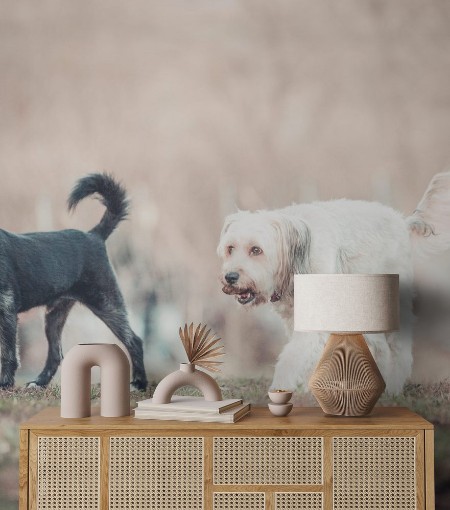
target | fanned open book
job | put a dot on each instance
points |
(193, 409)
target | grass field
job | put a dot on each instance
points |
(431, 401)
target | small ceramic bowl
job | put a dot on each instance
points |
(280, 409)
(280, 396)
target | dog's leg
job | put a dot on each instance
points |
(110, 308)
(381, 354)
(297, 361)
(55, 318)
(400, 344)
(8, 341)
(117, 321)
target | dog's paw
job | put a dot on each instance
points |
(6, 381)
(33, 384)
(138, 385)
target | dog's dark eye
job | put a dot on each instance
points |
(255, 250)
(230, 249)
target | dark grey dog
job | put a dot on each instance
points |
(56, 269)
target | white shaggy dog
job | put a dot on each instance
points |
(263, 250)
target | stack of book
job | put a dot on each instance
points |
(193, 409)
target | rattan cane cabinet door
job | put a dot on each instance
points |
(156, 473)
(67, 473)
(375, 473)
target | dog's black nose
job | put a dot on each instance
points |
(232, 278)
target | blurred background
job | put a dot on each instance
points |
(203, 107)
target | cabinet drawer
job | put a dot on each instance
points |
(267, 460)
(298, 500)
(239, 501)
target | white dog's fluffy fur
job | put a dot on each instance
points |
(262, 251)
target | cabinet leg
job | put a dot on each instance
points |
(23, 470)
(429, 470)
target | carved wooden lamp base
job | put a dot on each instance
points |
(347, 380)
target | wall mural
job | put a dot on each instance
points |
(253, 140)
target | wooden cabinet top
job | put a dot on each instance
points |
(259, 419)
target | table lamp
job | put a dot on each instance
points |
(346, 380)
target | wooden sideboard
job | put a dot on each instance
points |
(305, 461)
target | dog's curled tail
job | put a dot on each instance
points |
(430, 223)
(112, 195)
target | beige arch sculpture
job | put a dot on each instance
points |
(76, 380)
(188, 375)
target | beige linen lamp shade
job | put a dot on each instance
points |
(346, 303)
(346, 380)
